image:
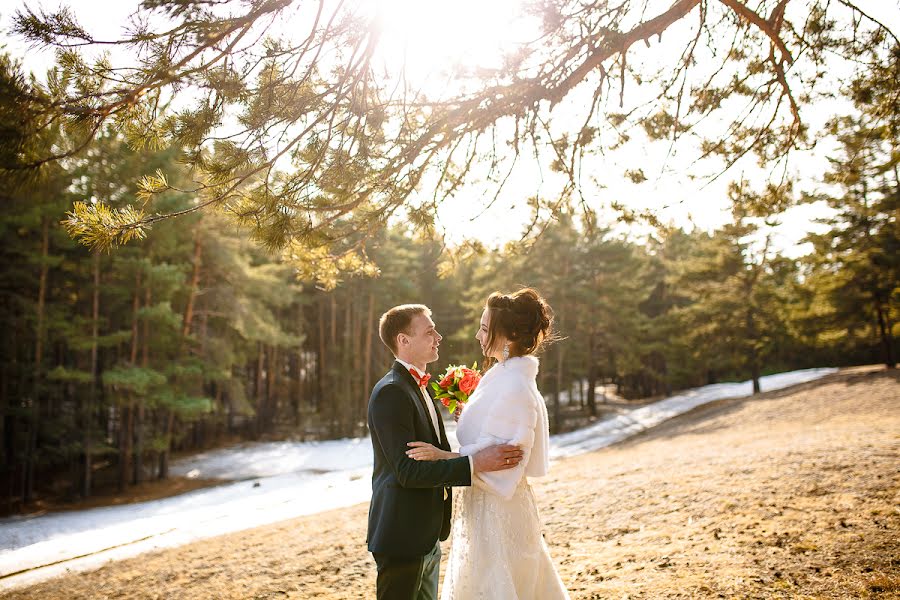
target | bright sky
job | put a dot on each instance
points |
(452, 36)
(434, 36)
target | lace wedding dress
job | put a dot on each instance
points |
(497, 550)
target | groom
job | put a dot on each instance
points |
(411, 500)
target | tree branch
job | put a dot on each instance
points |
(852, 6)
(761, 24)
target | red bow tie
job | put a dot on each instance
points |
(423, 380)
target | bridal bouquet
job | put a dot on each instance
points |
(456, 385)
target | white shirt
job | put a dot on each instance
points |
(428, 401)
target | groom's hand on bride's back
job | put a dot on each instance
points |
(497, 458)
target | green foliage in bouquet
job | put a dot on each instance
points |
(456, 385)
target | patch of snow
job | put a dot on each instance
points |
(249, 460)
(102, 534)
(620, 427)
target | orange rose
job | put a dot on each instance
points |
(447, 381)
(469, 381)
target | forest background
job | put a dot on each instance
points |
(234, 323)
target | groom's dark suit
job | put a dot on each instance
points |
(409, 511)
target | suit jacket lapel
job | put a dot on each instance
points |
(413, 390)
(442, 434)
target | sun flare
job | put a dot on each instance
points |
(424, 39)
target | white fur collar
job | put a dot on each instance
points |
(526, 365)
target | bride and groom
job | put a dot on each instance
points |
(497, 550)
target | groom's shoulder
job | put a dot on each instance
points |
(390, 379)
(389, 394)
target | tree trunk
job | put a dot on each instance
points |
(320, 360)
(127, 437)
(10, 461)
(753, 353)
(297, 369)
(367, 353)
(204, 329)
(188, 319)
(89, 412)
(331, 371)
(10, 431)
(755, 374)
(126, 429)
(557, 408)
(167, 436)
(347, 417)
(231, 405)
(297, 382)
(140, 414)
(34, 421)
(357, 342)
(887, 341)
(334, 310)
(258, 389)
(272, 387)
(213, 388)
(592, 377)
(220, 407)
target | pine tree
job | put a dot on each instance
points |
(856, 264)
(358, 151)
(730, 310)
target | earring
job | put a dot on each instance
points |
(506, 351)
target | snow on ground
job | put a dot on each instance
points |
(45, 546)
(249, 460)
(615, 429)
(271, 482)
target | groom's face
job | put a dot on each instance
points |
(420, 345)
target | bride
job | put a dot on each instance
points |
(497, 550)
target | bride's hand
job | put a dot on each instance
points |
(425, 451)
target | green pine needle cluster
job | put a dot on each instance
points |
(100, 227)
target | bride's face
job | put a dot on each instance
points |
(482, 337)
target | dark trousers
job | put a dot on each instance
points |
(408, 578)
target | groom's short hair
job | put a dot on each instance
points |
(396, 321)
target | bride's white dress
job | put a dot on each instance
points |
(497, 550)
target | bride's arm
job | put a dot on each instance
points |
(512, 420)
(484, 441)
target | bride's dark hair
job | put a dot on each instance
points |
(523, 317)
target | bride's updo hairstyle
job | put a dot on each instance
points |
(524, 318)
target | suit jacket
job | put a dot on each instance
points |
(408, 512)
